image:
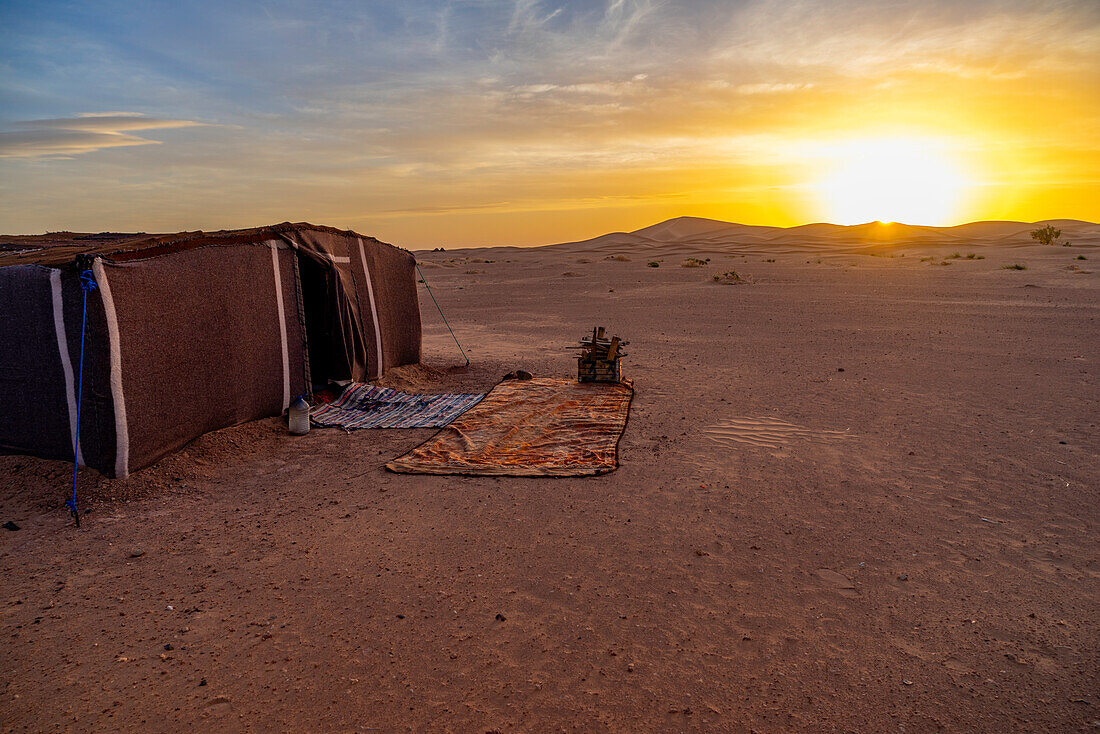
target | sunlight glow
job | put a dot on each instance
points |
(892, 180)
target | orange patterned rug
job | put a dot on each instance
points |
(530, 428)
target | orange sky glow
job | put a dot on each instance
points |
(527, 123)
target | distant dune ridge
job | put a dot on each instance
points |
(697, 235)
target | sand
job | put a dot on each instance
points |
(858, 492)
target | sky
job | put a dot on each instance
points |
(490, 122)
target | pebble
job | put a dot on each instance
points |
(500, 617)
(9, 525)
(903, 577)
(137, 553)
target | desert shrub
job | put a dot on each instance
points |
(974, 256)
(730, 276)
(1047, 235)
(954, 256)
(1082, 257)
(1016, 266)
(693, 262)
(653, 264)
(619, 258)
(927, 259)
(769, 260)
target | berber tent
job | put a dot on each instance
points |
(188, 333)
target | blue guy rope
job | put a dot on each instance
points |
(437, 308)
(87, 283)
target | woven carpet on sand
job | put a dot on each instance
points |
(369, 406)
(530, 428)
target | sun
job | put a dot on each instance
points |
(892, 180)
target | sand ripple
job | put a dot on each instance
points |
(770, 433)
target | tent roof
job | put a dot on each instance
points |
(57, 249)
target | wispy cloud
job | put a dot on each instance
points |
(467, 110)
(85, 133)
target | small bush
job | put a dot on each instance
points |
(730, 277)
(653, 264)
(974, 256)
(770, 260)
(619, 258)
(693, 262)
(1082, 257)
(953, 256)
(1016, 266)
(1047, 235)
(927, 259)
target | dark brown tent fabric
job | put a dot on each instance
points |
(189, 333)
(32, 375)
(224, 364)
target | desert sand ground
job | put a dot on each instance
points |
(857, 493)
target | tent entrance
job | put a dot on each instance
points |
(328, 358)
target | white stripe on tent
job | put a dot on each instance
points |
(122, 429)
(282, 322)
(340, 259)
(66, 363)
(373, 308)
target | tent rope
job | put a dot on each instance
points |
(425, 282)
(87, 283)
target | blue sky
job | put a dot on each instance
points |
(511, 121)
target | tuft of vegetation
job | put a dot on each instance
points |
(1082, 257)
(927, 259)
(619, 258)
(1047, 235)
(1016, 266)
(693, 262)
(974, 256)
(653, 264)
(730, 277)
(954, 256)
(769, 260)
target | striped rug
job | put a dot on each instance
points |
(369, 406)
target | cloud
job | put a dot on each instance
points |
(85, 133)
(471, 109)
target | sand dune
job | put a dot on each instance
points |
(697, 236)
